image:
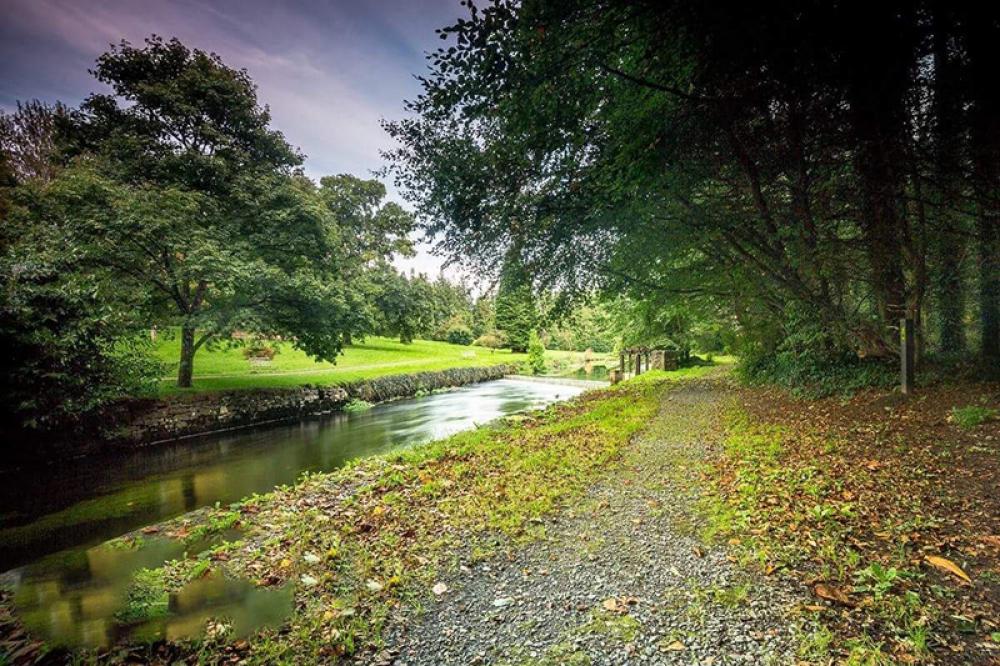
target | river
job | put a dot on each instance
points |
(67, 585)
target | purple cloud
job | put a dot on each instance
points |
(328, 70)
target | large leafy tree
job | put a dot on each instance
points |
(69, 341)
(764, 160)
(370, 230)
(185, 193)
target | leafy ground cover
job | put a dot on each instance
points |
(888, 510)
(225, 367)
(356, 543)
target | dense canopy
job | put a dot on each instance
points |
(747, 161)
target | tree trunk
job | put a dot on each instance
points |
(947, 140)
(877, 111)
(989, 283)
(951, 294)
(983, 49)
(185, 370)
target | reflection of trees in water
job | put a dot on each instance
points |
(77, 605)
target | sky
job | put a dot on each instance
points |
(329, 71)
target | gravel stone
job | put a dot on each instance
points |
(632, 540)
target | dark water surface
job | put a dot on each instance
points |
(67, 586)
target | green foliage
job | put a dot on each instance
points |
(490, 341)
(515, 305)
(459, 335)
(147, 597)
(816, 375)
(810, 361)
(621, 152)
(413, 306)
(536, 354)
(402, 305)
(357, 405)
(68, 347)
(585, 327)
(973, 415)
(184, 195)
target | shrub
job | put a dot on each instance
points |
(459, 335)
(536, 354)
(490, 341)
(815, 376)
(259, 351)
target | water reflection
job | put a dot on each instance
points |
(590, 371)
(75, 598)
(54, 519)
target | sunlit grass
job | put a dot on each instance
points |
(224, 367)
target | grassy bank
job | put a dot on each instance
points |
(356, 543)
(885, 508)
(224, 367)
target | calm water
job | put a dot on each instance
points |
(67, 586)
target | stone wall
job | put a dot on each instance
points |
(147, 421)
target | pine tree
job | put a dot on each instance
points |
(515, 305)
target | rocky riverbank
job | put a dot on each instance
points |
(144, 421)
(150, 421)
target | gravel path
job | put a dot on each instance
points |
(623, 578)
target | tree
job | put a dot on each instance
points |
(749, 161)
(484, 318)
(536, 353)
(402, 304)
(187, 195)
(515, 305)
(370, 230)
(28, 140)
(70, 342)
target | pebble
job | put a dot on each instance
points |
(630, 537)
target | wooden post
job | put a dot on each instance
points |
(621, 363)
(638, 363)
(907, 350)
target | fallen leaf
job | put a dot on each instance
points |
(676, 646)
(947, 565)
(308, 580)
(439, 589)
(612, 605)
(831, 593)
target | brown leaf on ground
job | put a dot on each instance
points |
(831, 593)
(947, 565)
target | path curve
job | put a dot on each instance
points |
(622, 578)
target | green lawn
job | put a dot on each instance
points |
(224, 367)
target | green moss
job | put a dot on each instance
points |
(622, 627)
